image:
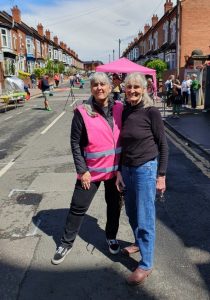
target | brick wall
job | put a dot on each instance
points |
(195, 27)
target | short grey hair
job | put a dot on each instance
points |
(99, 77)
(141, 80)
(194, 75)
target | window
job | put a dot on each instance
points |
(15, 42)
(5, 38)
(29, 45)
(165, 29)
(30, 66)
(173, 31)
(150, 42)
(50, 53)
(136, 52)
(9, 66)
(59, 55)
(170, 59)
(55, 54)
(156, 40)
(38, 47)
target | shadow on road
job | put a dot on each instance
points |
(49, 221)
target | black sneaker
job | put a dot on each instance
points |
(114, 247)
(60, 255)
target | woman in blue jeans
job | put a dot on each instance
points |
(142, 172)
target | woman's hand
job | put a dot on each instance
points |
(86, 180)
(119, 182)
(161, 184)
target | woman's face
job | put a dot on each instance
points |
(134, 92)
(100, 91)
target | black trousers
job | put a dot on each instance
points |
(193, 99)
(185, 97)
(80, 203)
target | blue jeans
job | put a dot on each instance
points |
(140, 208)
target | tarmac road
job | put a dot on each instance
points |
(36, 188)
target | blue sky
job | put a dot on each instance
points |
(92, 28)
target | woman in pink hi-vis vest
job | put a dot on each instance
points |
(96, 150)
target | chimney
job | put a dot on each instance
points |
(146, 28)
(40, 29)
(55, 39)
(61, 44)
(16, 15)
(168, 6)
(47, 34)
(140, 34)
(65, 46)
(154, 20)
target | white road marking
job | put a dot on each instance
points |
(7, 167)
(27, 108)
(48, 127)
(75, 102)
(8, 118)
(3, 150)
(19, 113)
(34, 232)
(17, 190)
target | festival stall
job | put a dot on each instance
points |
(124, 65)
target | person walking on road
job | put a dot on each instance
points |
(96, 149)
(45, 87)
(71, 80)
(143, 141)
(57, 80)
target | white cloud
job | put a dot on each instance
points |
(92, 28)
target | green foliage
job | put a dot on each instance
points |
(39, 72)
(157, 64)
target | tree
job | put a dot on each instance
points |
(157, 64)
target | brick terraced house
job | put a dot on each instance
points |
(182, 29)
(23, 48)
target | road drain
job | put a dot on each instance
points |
(29, 199)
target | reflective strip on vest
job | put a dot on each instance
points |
(104, 170)
(102, 153)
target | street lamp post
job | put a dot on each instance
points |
(119, 47)
(113, 54)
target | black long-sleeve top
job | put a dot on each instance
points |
(143, 137)
(79, 137)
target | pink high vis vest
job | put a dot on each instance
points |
(103, 150)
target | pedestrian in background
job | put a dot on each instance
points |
(71, 80)
(96, 149)
(56, 79)
(151, 88)
(33, 80)
(169, 89)
(176, 99)
(194, 88)
(141, 172)
(185, 89)
(45, 87)
(116, 81)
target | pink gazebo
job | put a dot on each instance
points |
(124, 65)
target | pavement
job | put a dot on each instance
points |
(193, 125)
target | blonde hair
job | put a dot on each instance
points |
(141, 80)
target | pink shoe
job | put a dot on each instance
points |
(130, 249)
